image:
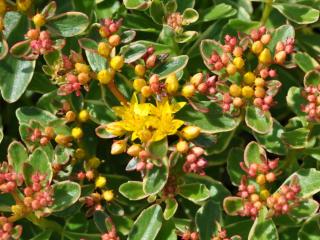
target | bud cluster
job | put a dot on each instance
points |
(195, 163)
(41, 42)
(42, 137)
(8, 231)
(111, 235)
(109, 27)
(142, 155)
(9, 180)
(170, 189)
(221, 235)
(188, 235)
(312, 108)
(39, 195)
(199, 83)
(175, 21)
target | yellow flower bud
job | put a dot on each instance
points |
(77, 133)
(84, 116)
(104, 49)
(118, 147)
(139, 70)
(261, 179)
(265, 57)
(259, 92)
(82, 68)
(80, 153)
(235, 90)
(238, 62)
(146, 91)
(259, 82)
(182, 146)
(108, 195)
(254, 197)
(188, 91)
(18, 210)
(114, 40)
(196, 79)
(264, 194)
(138, 84)
(100, 182)
(134, 150)
(190, 132)
(145, 135)
(83, 78)
(23, 5)
(280, 57)
(39, 20)
(117, 62)
(93, 162)
(257, 47)
(249, 78)
(231, 69)
(105, 76)
(62, 139)
(172, 84)
(247, 92)
(237, 102)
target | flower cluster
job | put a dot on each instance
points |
(41, 137)
(312, 108)
(8, 230)
(194, 163)
(255, 194)
(41, 42)
(222, 235)
(188, 235)
(199, 83)
(111, 235)
(175, 20)
(247, 81)
(38, 195)
(9, 179)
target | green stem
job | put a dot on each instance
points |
(266, 11)
(45, 223)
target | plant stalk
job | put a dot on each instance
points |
(266, 11)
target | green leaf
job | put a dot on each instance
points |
(137, 4)
(232, 205)
(219, 11)
(310, 230)
(305, 61)
(297, 13)
(295, 100)
(1, 130)
(147, 225)
(186, 36)
(235, 172)
(157, 11)
(66, 193)
(189, 16)
(272, 141)
(15, 76)
(167, 231)
(215, 121)
(254, 153)
(21, 49)
(207, 47)
(206, 219)
(28, 114)
(99, 218)
(17, 155)
(4, 49)
(309, 181)
(172, 65)
(312, 78)
(194, 192)
(297, 138)
(258, 120)
(263, 228)
(133, 52)
(45, 235)
(171, 208)
(155, 179)
(159, 149)
(68, 24)
(133, 190)
(281, 34)
(305, 209)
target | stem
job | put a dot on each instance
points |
(45, 224)
(266, 12)
(115, 91)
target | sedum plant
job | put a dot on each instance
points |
(151, 119)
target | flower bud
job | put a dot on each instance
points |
(280, 57)
(82, 68)
(134, 150)
(190, 132)
(100, 182)
(62, 139)
(266, 38)
(238, 62)
(264, 194)
(196, 79)
(247, 92)
(93, 163)
(261, 179)
(172, 84)
(83, 78)
(146, 91)
(188, 91)
(49, 132)
(105, 76)
(33, 34)
(104, 49)
(118, 147)
(39, 20)
(115, 129)
(237, 102)
(77, 133)
(80, 153)
(151, 61)
(257, 47)
(117, 62)
(259, 82)
(270, 177)
(231, 69)
(114, 40)
(84, 116)
(249, 78)
(265, 57)
(237, 51)
(139, 70)
(259, 92)
(235, 90)
(182, 147)
(108, 195)
(138, 84)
